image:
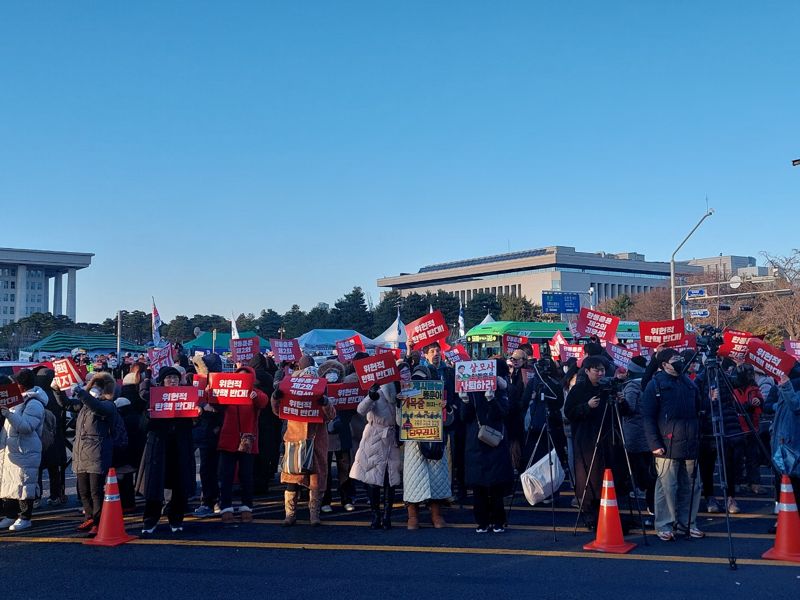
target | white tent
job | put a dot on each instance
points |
(487, 319)
(394, 336)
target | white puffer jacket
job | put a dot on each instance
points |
(378, 450)
(21, 447)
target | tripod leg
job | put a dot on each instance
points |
(589, 472)
(630, 472)
(517, 478)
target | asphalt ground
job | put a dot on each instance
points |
(346, 558)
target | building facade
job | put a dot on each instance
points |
(596, 276)
(27, 276)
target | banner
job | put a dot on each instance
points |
(285, 350)
(422, 411)
(455, 353)
(593, 322)
(621, 355)
(173, 402)
(10, 395)
(792, 347)
(374, 370)
(427, 329)
(655, 333)
(689, 343)
(344, 396)
(244, 349)
(769, 359)
(66, 375)
(395, 352)
(201, 383)
(231, 388)
(160, 358)
(527, 375)
(512, 342)
(571, 351)
(346, 349)
(734, 344)
(476, 376)
(556, 343)
(300, 400)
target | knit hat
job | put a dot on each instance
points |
(167, 372)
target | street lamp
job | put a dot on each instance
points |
(591, 298)
(672, 261)
(281, 330)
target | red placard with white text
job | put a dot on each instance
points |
(455, 353)
(427, 329)
(734, 344)
(231, 388)
(200, 382)
(300, 400)
(346, 349)
(160, 358)
(556, 343)
(571, 351)
(768, 358)
(10, 395)
(689, 343)
(512, 342)
(244, 349)
(792, 347)
(374, 370)
(344, 396)
(173, 402)
(396, 352)
(655, 333)
(66, 374)
(621, 355)
(476, 376)
(593, 322)
(285, 350)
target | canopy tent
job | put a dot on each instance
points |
(204, 342)
(487, 319)
(62, 342)
(394, 336)
(325, 339)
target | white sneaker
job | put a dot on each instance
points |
(327, 508)
(6, 523)
(20, 525)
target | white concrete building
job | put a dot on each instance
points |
(25, 282)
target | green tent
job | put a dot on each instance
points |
(204, 342)
(62, 342)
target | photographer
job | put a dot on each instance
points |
(670, 407)
(538, 412)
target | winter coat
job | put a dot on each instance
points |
(168, 459)
(515, 418)
(379, 451)
(731, 427)
(486, 465)
(745, 397)
(56, 454)
(126, 460)
(633, 425)
(670, 407)
(93, 448)
(786, 431)
(21, 447)
(239, 420)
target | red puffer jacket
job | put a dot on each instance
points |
(241, 420)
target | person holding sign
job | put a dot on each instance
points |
(206, 438)
(340, 444)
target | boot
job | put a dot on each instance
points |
(436, 515)
(413, 515)
(290, 506)
(375, 506)
(314, 503)
(388, 501)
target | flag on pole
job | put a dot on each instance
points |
(399, 328)
(156, 319)
(461, 327)
(234, 331)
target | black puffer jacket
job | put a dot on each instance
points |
(670, 407)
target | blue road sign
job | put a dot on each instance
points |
(700, 313)
(561, 302)
(698, 293)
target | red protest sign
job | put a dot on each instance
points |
(300, 399)
(455, 353)
(200, 382)
(374, 370)
(346, 349)
(160, 358)
(734, 344)
(231, 388)
(769, 359)
(689, 342)
(654, 333)
(512, 342)
(244, 349)
(173, 402)
(476, 376)
(395, 352)
(556, 343)
(344, 396)
(10, 395)
(285, 350)
(593, 322)
(66, 374)
(621, 355)
(427, 329)
(792, 347)
(571, 351)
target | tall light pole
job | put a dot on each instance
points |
(672, 261)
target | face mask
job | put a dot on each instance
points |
(332, 376)
(678, 365)
(95, 392)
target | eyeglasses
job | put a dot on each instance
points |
(597, 369)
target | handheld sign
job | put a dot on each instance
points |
(792, 347)
(160, 358)
(346, 349)
(285, 350)
(512, 342)
(376, 370)
(621, 355)
(571, 351)
(231, 388)
(395, 352)
(455, 353)
(770, 360)
(344, 396)
(594, 322)
(734, 344)
(244, 349)
(10, 395)
(422, 406)
(66, 375)
(200, 382)
(300, 400)
(476, 376)
(173, 402)
(654, 333)
(426, 330)
(556, 343)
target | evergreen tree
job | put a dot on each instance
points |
(477, 308)
(351, 312)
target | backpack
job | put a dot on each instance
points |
(48, 433)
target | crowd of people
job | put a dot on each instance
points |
(651, 422)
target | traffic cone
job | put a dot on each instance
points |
(111, 531)
(787, 537)
(609, 527)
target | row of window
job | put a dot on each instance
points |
(9, 297)
(33, 285)
(8, 310)
(9, 285)
(12, 272)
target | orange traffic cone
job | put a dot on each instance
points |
(111, 531)
(609, 527)
(787, 538)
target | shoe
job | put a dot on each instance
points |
(93, 532)
(290, 508)
(203, 511)
(314, 502)
(349, 507)
(498, 529)
(776, 510)
(413, 516)
(712, 505)
(247, 514)
(482, 530)
(666, 535)
(757, 489)
(376, 520)
(574, 502)
(327, 508)
(694, 532)
(217, 509)
(55, 501)
(176, 528)
(37, 503)
(436, 516)
(149, 530)
(6, 523)
(86, 525)
(733, 508)
(227, 516)
(648, 522)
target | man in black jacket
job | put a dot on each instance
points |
(670, 407)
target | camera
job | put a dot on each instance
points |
(710, 339)
(609, 385)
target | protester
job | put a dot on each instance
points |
(21, 453)
(267, 461)
(340, 444)
(748, 394)
(514, 420)
(54, 458)
(639, 454)
(786, 435)
(206, 439)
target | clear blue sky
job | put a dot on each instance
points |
(237, 155)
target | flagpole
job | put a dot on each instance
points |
(119, 335)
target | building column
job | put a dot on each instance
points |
(45, 292)
(19, 298)
(71, 281)
(58, 302)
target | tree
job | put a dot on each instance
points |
(619, 306)
(319, 317)
(517, 308)
(246, 322)
(414, 306)
(384, 313)
(180, 329)
(295, 322)
(268, 323)
(211, 322)
(351, 312)
(447, 303)
(477, 308)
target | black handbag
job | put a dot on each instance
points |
(432, 450)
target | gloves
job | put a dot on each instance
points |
(277, 394)
(489, 395)
(373, 392)
(464, 397)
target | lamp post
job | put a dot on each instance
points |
(672, 261)
(281, 331)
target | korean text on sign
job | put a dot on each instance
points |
(770, 360)
(173, 402)
(593, 322)
(231, 388)
(300, 401)
(10, 395)
(244, 349)
(344, 396)
(476, 376)
(376, 370)
(655, 333)
(285, 350)
(426, 330)
(422, 407)
(66, 374)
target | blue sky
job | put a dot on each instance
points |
(233, 156)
